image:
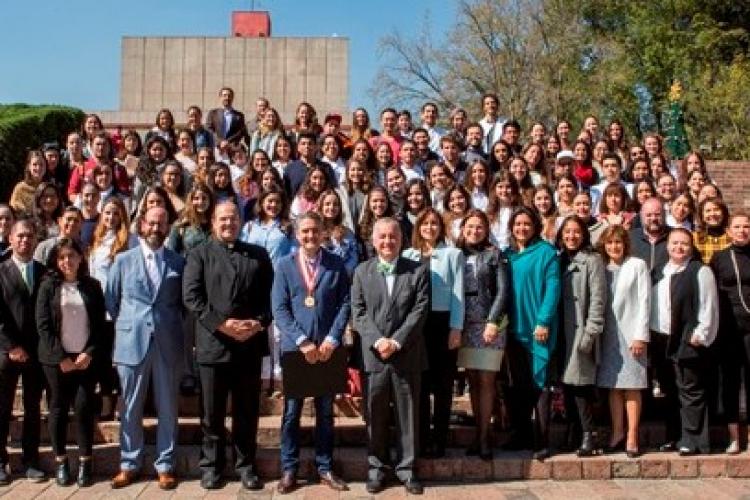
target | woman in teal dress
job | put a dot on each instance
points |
(535, 293)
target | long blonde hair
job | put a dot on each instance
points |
(122, 234)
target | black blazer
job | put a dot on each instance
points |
(17, 317)
(49, 318)
(237, 128)
(220, 283)
(400, 316)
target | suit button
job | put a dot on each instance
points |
(148, 323)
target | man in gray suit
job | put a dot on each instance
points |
(390, 298)
(144, 298)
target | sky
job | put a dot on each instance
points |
(68, 51)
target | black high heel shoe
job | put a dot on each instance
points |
(616, 448)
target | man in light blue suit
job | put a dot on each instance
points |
(144, 298)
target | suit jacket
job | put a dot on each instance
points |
(49, 318)
(223, 282)
(139, 312)
(237, 127)
(399, 316)
(332, 308)
(17, 304)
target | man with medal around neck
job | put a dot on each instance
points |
(310, 303)
(227, 286)
(390, 301)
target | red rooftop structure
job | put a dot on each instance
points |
(251, 24)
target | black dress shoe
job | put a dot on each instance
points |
(374, 486)
(287, 483)
(251, 481)
(684, 451)
(332, 481)
(634, 453)
(541, 454)
(587, 445)
(4, 475)
(210, 481)
(62, 473)
(35, 474)
(84, 473)
(413, 487)
(668, 446)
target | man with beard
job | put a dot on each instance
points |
(649, 242)
(144, 298)
(227, 287)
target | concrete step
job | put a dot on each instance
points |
(351, 463)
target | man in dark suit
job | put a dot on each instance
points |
(227, 286)
(390, 300)
(296, 171)
(20, 276)
(311, 309)
(226, 123)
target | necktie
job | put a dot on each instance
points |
(26, 275)
(153, 272)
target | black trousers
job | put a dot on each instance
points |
(667, 408)
(578, 402)
(32, 381)
(437, 381)
(109, 382)
(525, 399)
(691, 384)
(735, 369)
(77, 388)
(240, 379)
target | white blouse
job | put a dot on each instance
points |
(708, 304)
(74, 331)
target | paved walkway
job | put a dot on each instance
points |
(620, 489)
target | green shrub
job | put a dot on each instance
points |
(24, 127)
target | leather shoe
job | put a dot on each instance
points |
(167, 480)
(62, 473)
(251, 481)
(84, 473)
(210, 481)
(413, 487)
(333, 482)
(374, 486)
(124, 478)
(287, 483)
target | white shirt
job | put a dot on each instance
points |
(414, 172)
(479, 200)
(154, 263)
(227, 121)
(23, 266)
(74, 330)
(435, 133)
(708, 304)
(339, 169)
(496, 129)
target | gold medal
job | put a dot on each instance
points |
(310, 301)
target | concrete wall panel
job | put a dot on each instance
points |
(193, 73)
(174, 63)
(275, 72)
(296, 71)
(214, 71)
(131, 76)
(153, 78)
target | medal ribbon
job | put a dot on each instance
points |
(307, 275)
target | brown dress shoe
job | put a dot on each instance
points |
(333, 482)
(167, 481)
(124, 478)
(287, 483)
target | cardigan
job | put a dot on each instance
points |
(446, 281)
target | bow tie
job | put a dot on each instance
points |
(386, 268)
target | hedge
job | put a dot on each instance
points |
(24, 127)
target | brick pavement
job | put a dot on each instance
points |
(621, 489)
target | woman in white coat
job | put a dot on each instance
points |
(622, 368)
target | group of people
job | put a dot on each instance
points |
(526, 265)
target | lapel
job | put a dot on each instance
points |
(376, 282)
(398, 279)
(323, 266)
(15, 276)
(162, 272)
(141, 266)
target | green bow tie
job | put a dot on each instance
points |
(386, 268)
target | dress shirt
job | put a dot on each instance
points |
(390, 280)
(313, 266)
(227, 121)
(708, 304)
(27, 271)
(492, 131)
(154, 261)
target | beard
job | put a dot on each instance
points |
(155, 239)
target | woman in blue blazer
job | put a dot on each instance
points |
(443, 328)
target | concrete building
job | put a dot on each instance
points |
(177, 72)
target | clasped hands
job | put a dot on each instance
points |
(314, 354)
(81, 362)
(240, 329)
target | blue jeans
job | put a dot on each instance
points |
(323, 433)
